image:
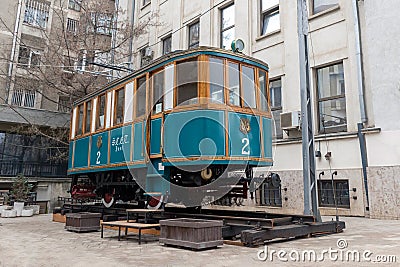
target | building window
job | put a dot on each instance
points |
(167, 42)
(28, 57)
(327, 193)
(146, 2)
(270, 191)
(321, 5)
(275, 91)
(146, 56)
(187, 79)
(140, 96)
(331, 98)
(101, 112)
(119, 106)
(75, 5)
(64, 104)
(72, 25)
(227, 26)
(194, 35)
(217, 74)
(23, 98)
(36, 13)
(69, 64)
(270, 17)
(101, 23)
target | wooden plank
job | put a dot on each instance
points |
(190, 244)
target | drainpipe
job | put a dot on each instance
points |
(131, 40)
(364, 118)
(114, 35)
(360, 80)
(14, 44)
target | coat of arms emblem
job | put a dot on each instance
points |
(244, 125)
(99, 141)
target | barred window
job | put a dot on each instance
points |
(75, 4)
(227, 26)
(23, 98)
(102, 23)
(72, 25)
(36, 13)
(327, 193)
(270, 191)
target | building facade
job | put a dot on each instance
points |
(352, 57)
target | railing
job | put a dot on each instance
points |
(33, 169)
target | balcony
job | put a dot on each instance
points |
(33, 169)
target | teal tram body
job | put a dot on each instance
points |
(184, 120)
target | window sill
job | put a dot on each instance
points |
(265, 36)
(145, 6)
(325, 12)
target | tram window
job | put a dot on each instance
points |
(158, 89)
(119, 106)
(169, 87)
(187, 78)
(216, 80)
(88, 118)
(249, 90)
(234, 84)
(262, 82)
(101, 107)
(140, 96)
(79, 121)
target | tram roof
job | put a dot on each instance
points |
(174, 56)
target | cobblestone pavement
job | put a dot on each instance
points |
(37, 241)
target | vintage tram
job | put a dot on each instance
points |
(176, 128)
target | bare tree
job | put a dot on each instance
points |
(67, 60)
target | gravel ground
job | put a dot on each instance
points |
(37, 241)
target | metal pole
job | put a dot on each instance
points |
(309, 181)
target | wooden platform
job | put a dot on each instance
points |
(128, 225)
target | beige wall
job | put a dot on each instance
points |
(331, 40)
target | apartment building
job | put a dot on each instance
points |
(46, 50)
(353, 58)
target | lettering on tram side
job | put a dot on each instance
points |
(118, 142)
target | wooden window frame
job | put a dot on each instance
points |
(97, 127)
(116, 107)
(136, 87)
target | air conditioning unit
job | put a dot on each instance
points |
(290, 120)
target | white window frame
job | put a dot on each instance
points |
(32, 52)
(269, 12)
(24, 98)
